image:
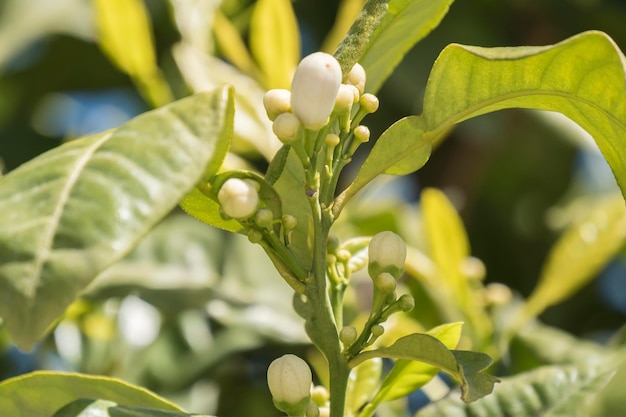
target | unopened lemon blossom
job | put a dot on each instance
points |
(239, 198)
(387, 253)
(289, 379)
(314, 89)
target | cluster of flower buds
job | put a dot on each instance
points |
(319, 95)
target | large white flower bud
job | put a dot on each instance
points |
(239, 198)
(289, 380)
(314, 89)
(387, 253)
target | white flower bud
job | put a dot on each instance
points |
(387, 253)
(286, 127)
(345, 98)
(289, 380)
(369, 102)
(348, 335)
(277, 101)
(332, 140)
(362, 133)
(239, 198)
(356, 77)
(314, 89)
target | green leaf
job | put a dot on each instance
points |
(125, 35)
(579, 254)
(275, 41)
(582, 77)
(40, 394)
(407, 376)
(103, 408)
(68, 214)
(400, 150)
(406, 23)
(547, 392)
(465, 366)
(207, 210)
(363, 382)
(448, 247)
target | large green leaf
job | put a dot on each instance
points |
(407, 376)
(41, 394)
(405, 24)
(582, 77)
(104, 408)
(275, 41)
(578, 255)
(546, 392)
(401, 149)
(68, 214)
(465, 366)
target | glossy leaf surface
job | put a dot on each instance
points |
(68, 214)
(41, 394)
(571, 77)
(548, 392)
(466, 366)
(104, 408)
(275, 41)
(407, 376)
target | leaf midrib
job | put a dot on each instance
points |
(44, 250)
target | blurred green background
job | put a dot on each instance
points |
(516, 177)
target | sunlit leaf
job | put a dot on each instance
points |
(125, 34)
(579, 254)
(275, 41)
(68, 214)
(104, 408)
(363, 382)
(405, 24)
(465, 366)
(448, 247)
(41, 394)
(348, 11)
(547, 392)
(407, 376)
(571, 77)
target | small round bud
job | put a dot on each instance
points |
(473, 268)
(289, 380)
(332, 243)
(255, 236)
(385, 283)
(356, 77)
(497, 294)
(239, 198)
(369, 102)
(277, 101)
(345, 98)
(344, 255)
(377, 330)
(264, 218)
(362, 133)
(332, 140)
(289, 222)
(286, 127)
(314, 89)
(406, 302)
(319, 395)
(348, 335)
(312, 410)
(324, 412)
(387, 253)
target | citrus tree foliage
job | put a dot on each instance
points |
(70, 217)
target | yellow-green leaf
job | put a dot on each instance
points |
(275, 41)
